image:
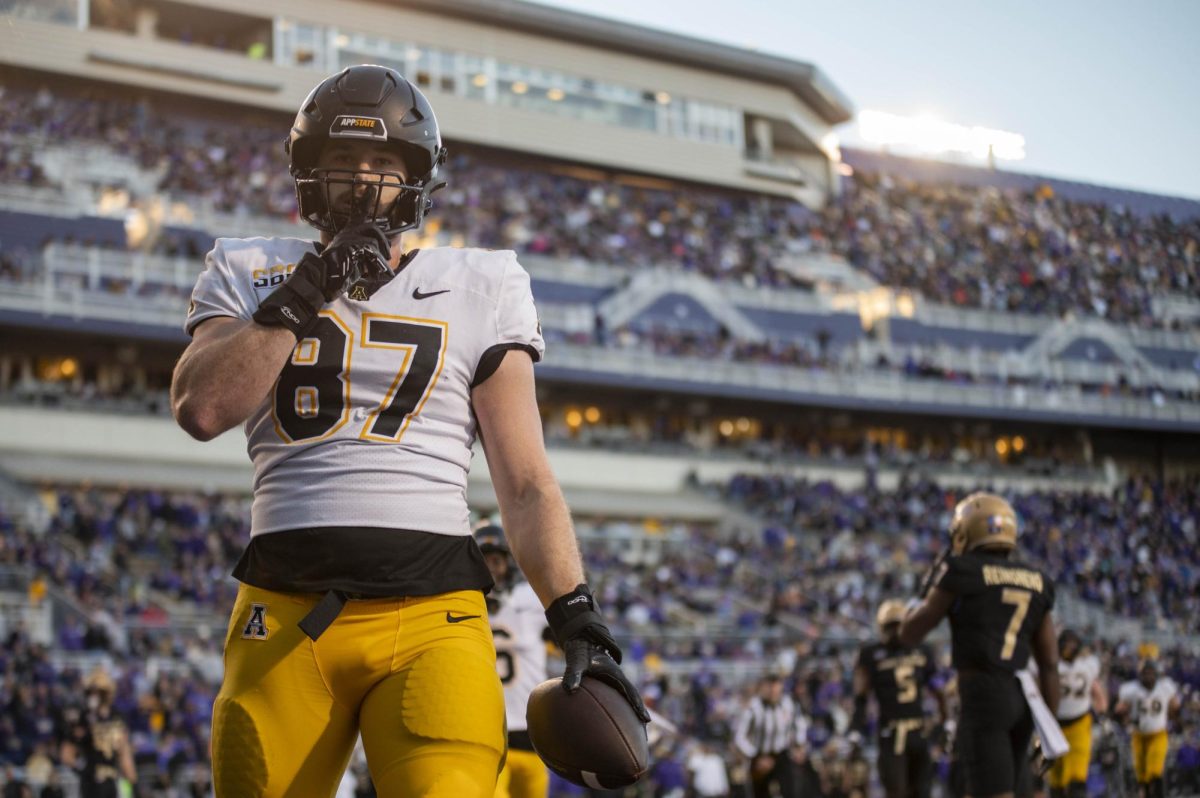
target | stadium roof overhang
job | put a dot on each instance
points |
(803, 79)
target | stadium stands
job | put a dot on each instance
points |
(1022, 250)
(797, 591)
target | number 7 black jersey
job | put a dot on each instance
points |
(897, 675)
(370, 422)
(999, 604)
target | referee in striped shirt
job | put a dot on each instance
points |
(769, 729)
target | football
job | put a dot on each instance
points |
(591, 738)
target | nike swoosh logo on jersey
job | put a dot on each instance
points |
(418, 295)
(459, 618)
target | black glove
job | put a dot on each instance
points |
(318, 279)
(588, 646)
(358, 258)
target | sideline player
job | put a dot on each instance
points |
(1000, 612)
(362, 374)
(519, 631)
(1149, 701)
(97, 744)
(1082, 692)
(897, 676)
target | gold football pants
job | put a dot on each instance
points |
(1073, 766)
(1149, 755)
(524, 776)
(420, 686)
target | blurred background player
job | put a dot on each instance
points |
(770, 734)
(1082, 692)
(1149, 702)
(97, 743)
(519, 630)
(897, 676)
(1000, 612)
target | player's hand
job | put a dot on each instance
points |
(1037, 759)
(360, 251)
(761, 767)
(588, 647)
(357, 253)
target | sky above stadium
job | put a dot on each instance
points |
(1104, 91)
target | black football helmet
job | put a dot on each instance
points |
(491, 540)
(374, 104)
(1069, 644)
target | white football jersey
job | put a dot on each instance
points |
(1149, 707)
(370, 422)
(517, 627)
(1077, 677)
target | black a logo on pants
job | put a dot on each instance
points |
(256, 627)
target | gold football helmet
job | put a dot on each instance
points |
(100, 681)
(983, 519)
(890, 611)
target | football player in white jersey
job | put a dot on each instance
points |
(519, 630)
(362, 374)
(1149, 701)
(1082, 692)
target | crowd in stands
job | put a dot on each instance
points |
(164, 702)
(1029, 252)
(796, 590)
(963, 245)
(822, 561)
(17, 165)
(112, 550)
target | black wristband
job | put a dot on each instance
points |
(294, 304)
(571, 613)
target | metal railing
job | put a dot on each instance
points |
(707, 376)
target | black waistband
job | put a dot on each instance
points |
(347, 563)
(363, 562)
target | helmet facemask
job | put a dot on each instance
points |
(334, 199)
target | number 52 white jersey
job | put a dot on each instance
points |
(370, 422)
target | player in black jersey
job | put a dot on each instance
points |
(97, 743)
(1000, 612)
(897, 675)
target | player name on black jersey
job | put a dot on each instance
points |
(1018, 577)
(998, 606)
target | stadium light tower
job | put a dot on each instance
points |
(927, 135)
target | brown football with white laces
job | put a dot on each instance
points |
(591, 737)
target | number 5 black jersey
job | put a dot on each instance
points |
(998, 606)
(897, 675)
(370, 422)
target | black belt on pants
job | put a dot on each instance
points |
(323, 614)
